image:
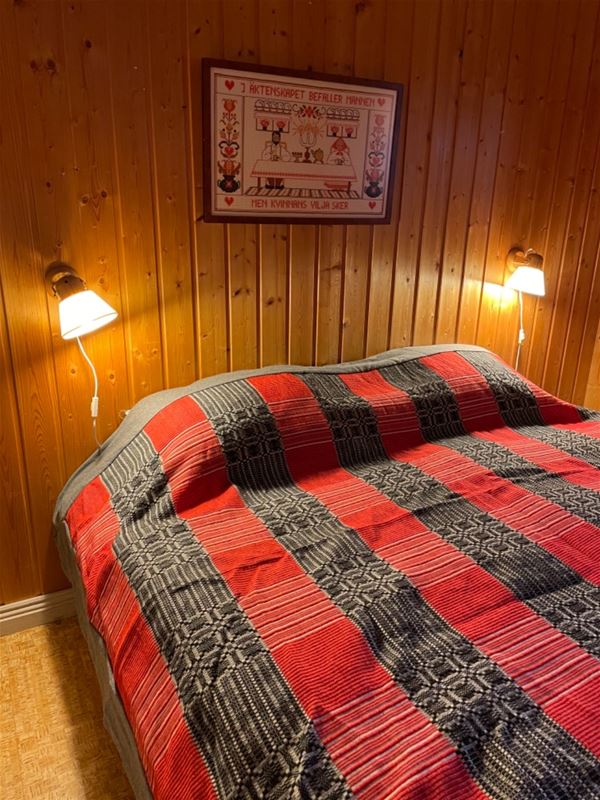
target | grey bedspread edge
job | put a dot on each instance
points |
(114, 716)
(145, 409)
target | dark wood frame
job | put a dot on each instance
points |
(209, 63)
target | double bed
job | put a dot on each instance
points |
(378, 579)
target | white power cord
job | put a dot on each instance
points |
(521, 338)
(94, 403)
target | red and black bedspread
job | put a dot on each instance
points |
(379, 580)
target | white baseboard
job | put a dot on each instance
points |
(36, 611)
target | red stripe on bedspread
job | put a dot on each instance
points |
(459, 372)
(590, 427)
(563, 534)
(93, 526)
(553, 409)
(192, 479)
(325, 660)
(559, 675)
(546, 456)
(478, 406)
(571, 539)
(167, 749)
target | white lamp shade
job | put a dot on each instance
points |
(527, 279)
(83, 312)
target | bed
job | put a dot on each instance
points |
(378, 579)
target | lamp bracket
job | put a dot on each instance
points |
(517, 257)
(62, 281)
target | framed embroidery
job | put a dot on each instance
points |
(291, 146)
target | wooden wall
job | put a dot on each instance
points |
(100, 165)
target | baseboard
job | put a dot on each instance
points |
(36, 611)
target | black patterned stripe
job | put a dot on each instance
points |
(222, 670)
(508, 744)
(434, 401)
(516, 402)
(575, 443)
(505, 463)
(588, 413)
(519, 408)
(419, 381)
(549, 587)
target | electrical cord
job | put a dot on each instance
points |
(94, 403)
(521, 338)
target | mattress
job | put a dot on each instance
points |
(378, 579)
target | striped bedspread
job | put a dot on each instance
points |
(376, 581)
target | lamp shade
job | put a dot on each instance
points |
(527, 279)
(83, 312)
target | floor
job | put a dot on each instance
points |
(52, 742)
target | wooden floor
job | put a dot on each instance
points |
(52, 742)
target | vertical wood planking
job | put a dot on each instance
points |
(589, 391)
(170, 168)
(240, 25)
(331, 271)
(338, 58)
(205, 34)
(274, 25)
(419, 110)
(553, 122)
(533, 135)
(356, 290)
(441, 149)
(86, 71)
(473, 294)
(499, 234)
(19, 574)
(583, 310)
(308, 45)
(398, 27)
(586, 362)
(129, 84)
(57, 202)
(563, 186)
(369, 31)
(273, 294)
(100, 156)
(21, 275)
(243, 281)
(575, 270)
(468, 118)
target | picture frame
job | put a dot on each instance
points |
(291, 146)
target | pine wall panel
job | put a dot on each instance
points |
(101, 166)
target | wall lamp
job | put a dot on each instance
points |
(526, 276)
(80, 311)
